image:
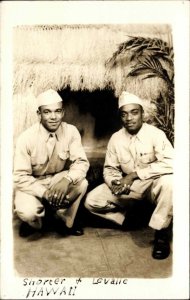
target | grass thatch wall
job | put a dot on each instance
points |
(74, 55)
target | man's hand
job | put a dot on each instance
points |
(123, 185)
(46, 196)
(57, 193)
(116, 187)
(73, 194)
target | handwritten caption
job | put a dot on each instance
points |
(61, 287)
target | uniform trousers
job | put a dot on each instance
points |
(31, 210)
(158, 191)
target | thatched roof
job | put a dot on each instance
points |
(75, 55)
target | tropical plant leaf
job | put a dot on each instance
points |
(149, 76)
(134, 55)
(140, 70)
(164, 57)
(152, 63)
(153, 66)
(139, 45)
(148, 55)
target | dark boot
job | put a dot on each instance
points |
(75, 230)
(26, 230)
(161, 248)
(63, 230)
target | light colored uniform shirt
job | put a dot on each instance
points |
(149, 153)
(31, 161)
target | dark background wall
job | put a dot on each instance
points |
(101, 106)
(95, 114)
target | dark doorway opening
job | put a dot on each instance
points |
(95, 114)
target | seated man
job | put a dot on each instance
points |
(138, 165)
(40, 173)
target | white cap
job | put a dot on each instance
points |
(48, 97)
(127, 98)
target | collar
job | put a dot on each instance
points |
(139, 135)
(45, 133)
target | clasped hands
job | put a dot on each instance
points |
(122, 186)
(57, 195)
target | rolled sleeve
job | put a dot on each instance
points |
(112, 169)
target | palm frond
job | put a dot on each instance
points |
(142, 71)
(152, 63)
(150, 66)
(148, 55)
(164, 116)
(142, 46)
(149, 76)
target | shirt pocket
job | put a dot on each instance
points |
(124, 159)
(64, 155)
(38, 161)
(127, 163)
(64, 160)
(147, 158)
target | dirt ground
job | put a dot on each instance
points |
(103, 251)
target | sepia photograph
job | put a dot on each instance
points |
(92, 131)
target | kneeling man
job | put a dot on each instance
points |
(138, 165)
(40, 173)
